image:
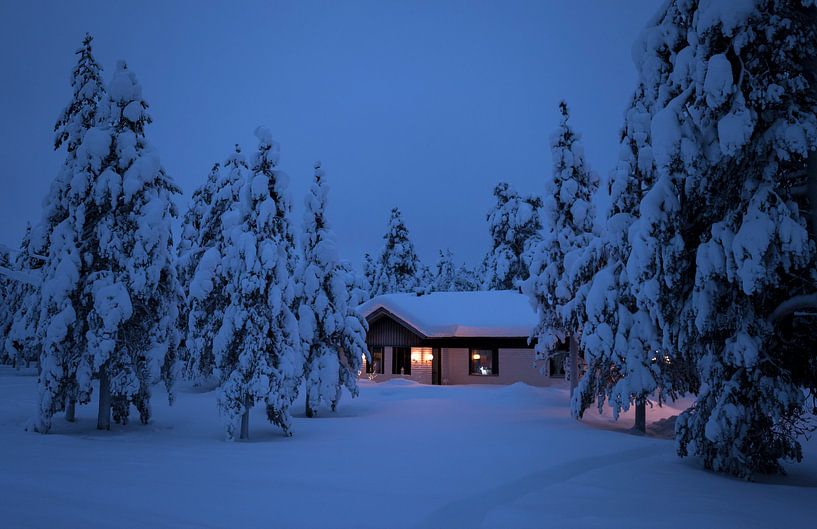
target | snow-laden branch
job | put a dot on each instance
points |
(20, 276)
(793, 304)
(5, 248)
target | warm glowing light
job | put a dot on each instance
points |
(421, 355)
(475, 356)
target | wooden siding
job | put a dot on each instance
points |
(386, 332)
(515, 365)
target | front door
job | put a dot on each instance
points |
(436, 366)
(401, 361)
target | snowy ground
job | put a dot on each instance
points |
(401, 455)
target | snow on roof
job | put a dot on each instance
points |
(495, 313)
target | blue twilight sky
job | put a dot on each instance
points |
(422, 105)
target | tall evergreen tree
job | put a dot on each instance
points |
(207, 296)
(555, 286)
(57, 323)
(258, 347)
(514, 224)
(333, 331)
(398, 269)
(110, 294)
(733, 144)
(369, 274)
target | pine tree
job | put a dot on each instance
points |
(21, 344)
(514, 224)
(449, 277)
(555, 285)
(333, 331)
(398, 269)
(258, 347)
(62, 306)
(113, 269)
(369, 274)
(207, 296)
(733, 143)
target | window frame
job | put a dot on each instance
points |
(381, 369)
(494, 361)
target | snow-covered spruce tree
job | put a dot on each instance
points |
(189, 248)
(21, 344)
(398, 269)
(514, 224)
(129, 290)
(65, 374)
(740, 130)
(557, 286)
(450, 277)
(6, 285)
(366, 281)
(331, 328)
(207, 296)
(624, 347)
(258, 347)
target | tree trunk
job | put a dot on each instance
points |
(71, 410)
(641, 415)
(103, 420)
(308, 407)
(574, 363)
(245, 423)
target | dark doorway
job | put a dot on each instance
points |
(401, 361)
(436, 366)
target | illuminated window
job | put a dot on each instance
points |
(376, 365)
(421, 356)
(483, 362)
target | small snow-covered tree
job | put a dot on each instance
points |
(192, 227)
(207, 296)
(258, 349)
(21, 344)
(333, 331)
(398, 269)
(514, 225)
(557, 285)
(366, 280)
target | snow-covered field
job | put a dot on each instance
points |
(400, 455)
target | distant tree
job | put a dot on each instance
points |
(21, 344)
(369, 274)
(207, 296)
(334, 333)
(398, 269)
(258, 347)
(514, 225)
(555, 285)
(450, 277)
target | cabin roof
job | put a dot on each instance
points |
(484, 314)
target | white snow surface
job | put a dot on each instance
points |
(493, 313)
(402, 455)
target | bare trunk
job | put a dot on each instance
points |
(245, 423)
(574, 363)
(103, 420)
(308, 407)
(71, 410)
(641, 415)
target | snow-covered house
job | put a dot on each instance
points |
(453, 338)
